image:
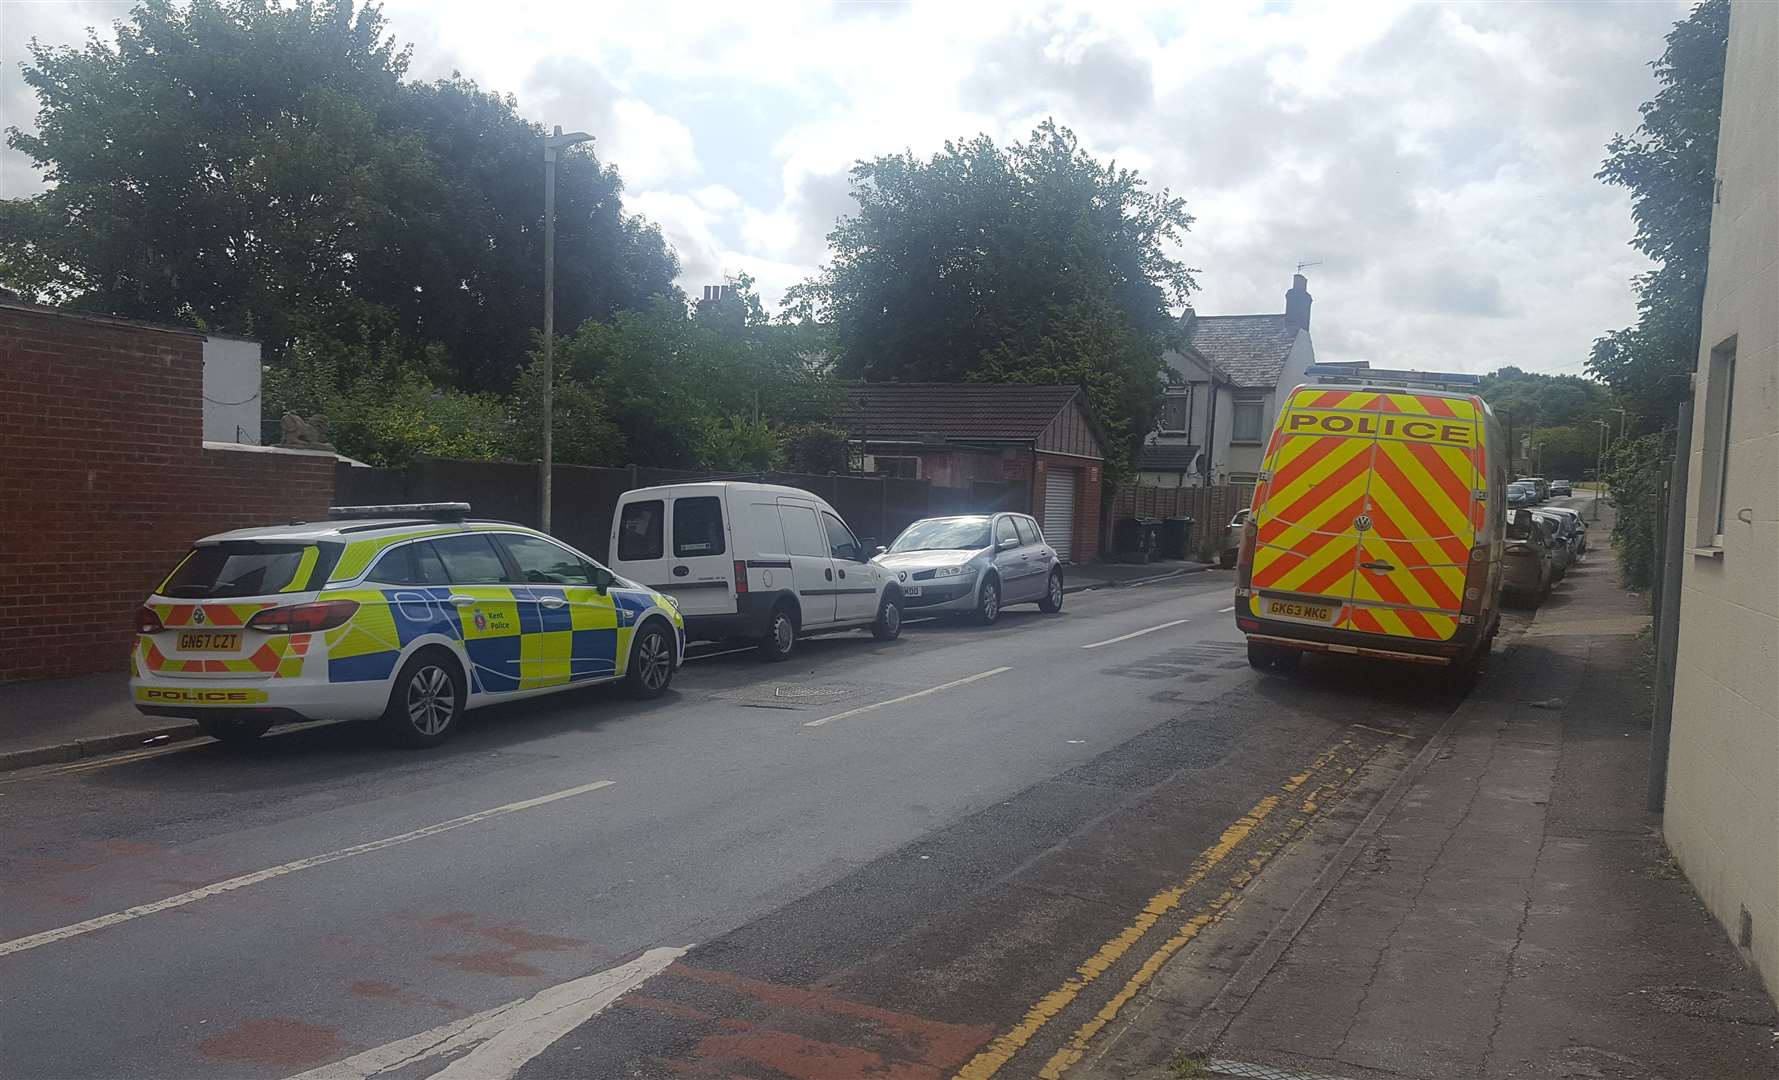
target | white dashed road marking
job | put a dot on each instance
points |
(1136, 633)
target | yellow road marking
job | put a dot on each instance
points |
(989, 1061)
(1076, 1048)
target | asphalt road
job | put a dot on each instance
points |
(898, 859)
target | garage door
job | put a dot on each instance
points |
(1059, 512)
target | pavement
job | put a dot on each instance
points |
(1513, 914)
(975, 851)
(1101, 575)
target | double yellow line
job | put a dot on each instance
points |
(1002, 1050)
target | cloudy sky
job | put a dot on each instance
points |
(1435, 160)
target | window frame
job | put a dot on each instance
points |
(1714, 456)
(1258, 404)
(826, 516)
(504, 541)
(820, 532)
(660, 505)
(1183, 398)
(1020, 524)
(507, 571)
(410, 547)
(1005, 521)
(721, 533)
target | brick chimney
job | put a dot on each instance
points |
(722, 303)
(1297, 302)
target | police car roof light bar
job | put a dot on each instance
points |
(435, 511)
(1345, 375)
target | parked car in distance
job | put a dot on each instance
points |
(976, 563)
(1578, 531)
(1521, 493)
(1526, 565)
(755, 561)
(1232, 539)
(1561, 489)
(1558, 530)
(1540, 483)
(412, 614)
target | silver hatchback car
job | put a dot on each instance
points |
(976, 563)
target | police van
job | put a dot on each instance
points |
(1377, 526)
(754, 561)
(411, 613)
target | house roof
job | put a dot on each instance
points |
(1249, 349)
(991, 412)
(1167, 457)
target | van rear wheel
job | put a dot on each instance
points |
(781, 634)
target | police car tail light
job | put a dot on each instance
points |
(147, 621)
(304, 618)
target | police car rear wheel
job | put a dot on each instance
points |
(427, 700)
(234, 732)
(651, 662)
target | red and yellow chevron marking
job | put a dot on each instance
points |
(1408, 462)
(214, 614)
(265, 660)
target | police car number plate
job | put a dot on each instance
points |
(1298, 611)
(209, 642)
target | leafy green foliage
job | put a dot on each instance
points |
(816, 449)
(1029, 263)
(1669, 165)
(1556, 413)
(265, 169)
(1634, 469)
(740, 444)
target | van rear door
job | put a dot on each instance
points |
(701, 553)
(1424, 503)
(1307, 514)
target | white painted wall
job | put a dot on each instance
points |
(1722, 817)
(231, 390)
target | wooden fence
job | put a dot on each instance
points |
(1210, 509)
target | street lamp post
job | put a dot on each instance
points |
(1600, 465)
(552, 143)
(1623, 420)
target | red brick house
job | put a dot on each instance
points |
(1042, 437)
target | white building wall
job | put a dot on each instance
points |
(231, 390)
(1722, 817)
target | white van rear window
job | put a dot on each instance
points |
(697, 527)
(640, 532)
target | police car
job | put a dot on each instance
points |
(410, 613)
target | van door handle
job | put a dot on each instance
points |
(1382, 567)
(829, 574)
(461, 601)
(551, 601)
(681, 571)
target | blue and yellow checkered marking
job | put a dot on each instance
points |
(513, 640)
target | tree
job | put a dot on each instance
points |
(1668, 164)
(1034, 262)
(265, 169)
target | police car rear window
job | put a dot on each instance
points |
(238, 568)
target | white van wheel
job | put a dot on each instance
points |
(781, 634)
(888, 626)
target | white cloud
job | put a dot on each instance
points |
(1437, 160)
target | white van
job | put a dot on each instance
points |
(755, 561)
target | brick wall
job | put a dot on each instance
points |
(104, 482)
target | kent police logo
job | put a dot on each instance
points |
(481, 621)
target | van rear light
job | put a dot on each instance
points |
(1244, 562)
(1476, 577)
(148, 621)
(740, 577)
(304, 618)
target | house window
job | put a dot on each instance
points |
(1714, 473)
(1249, 420)
(908, 468)
(1173, 413)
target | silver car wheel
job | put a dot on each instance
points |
(991, 601)
(655, 659)
(1055, 590)
(432, 701)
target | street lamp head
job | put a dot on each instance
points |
(559, 141)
